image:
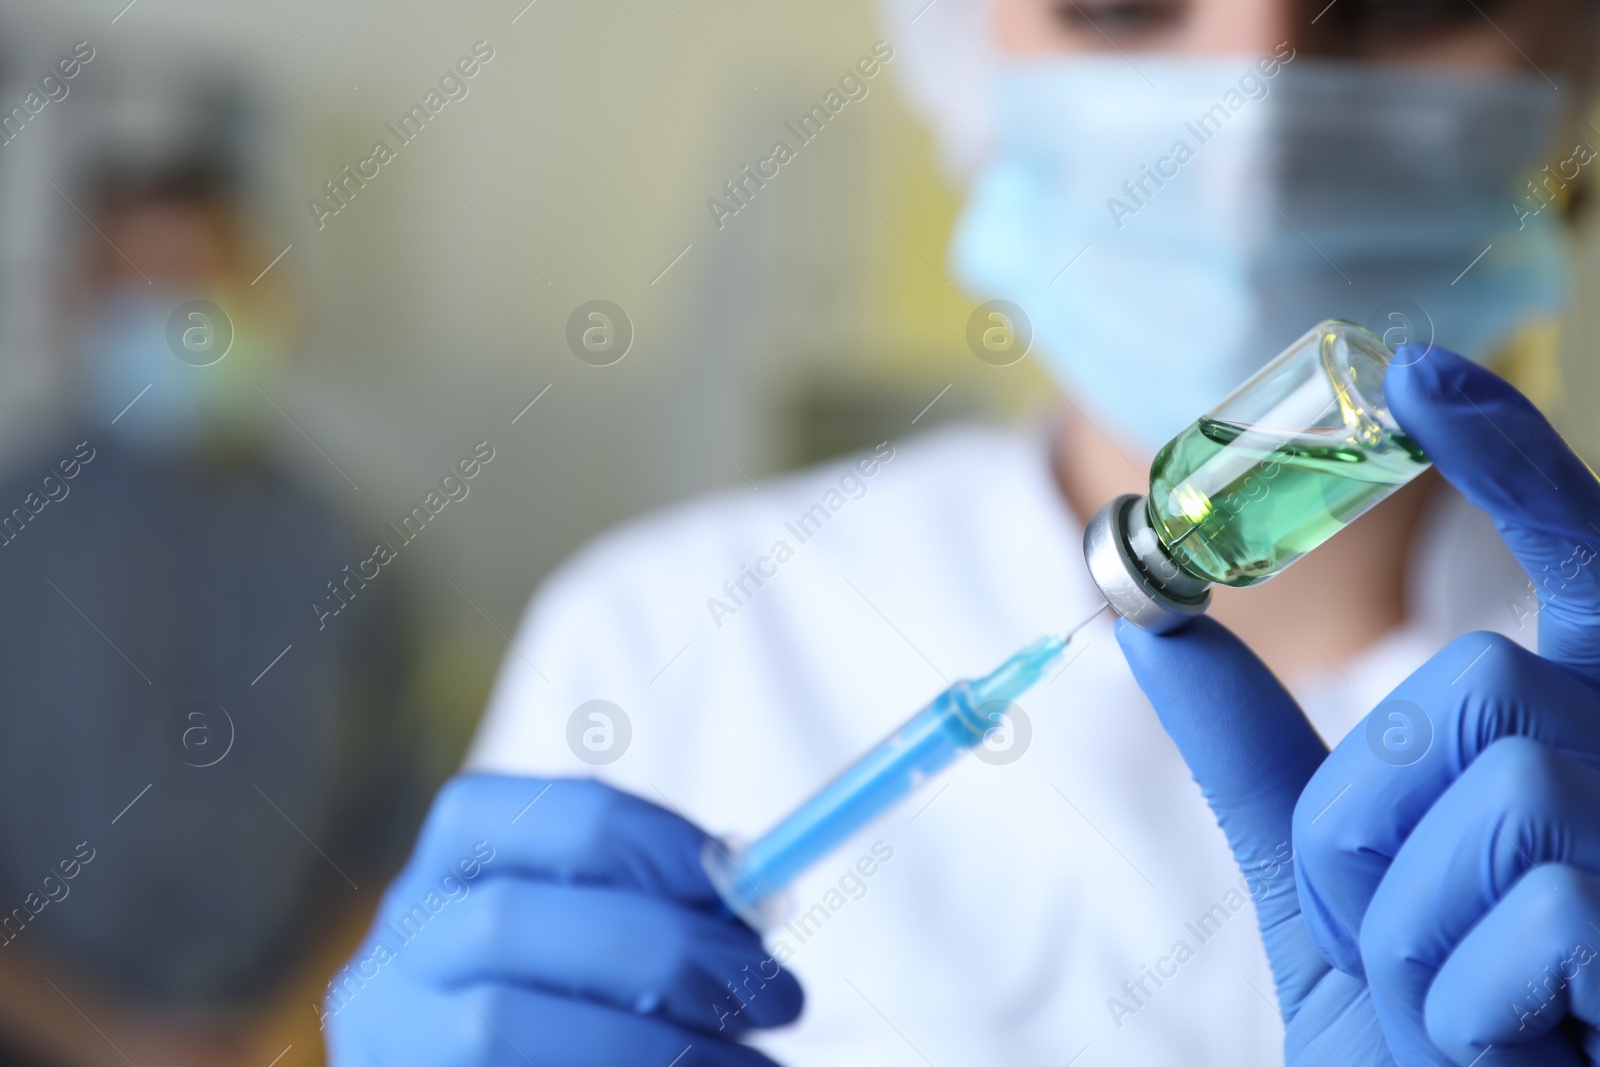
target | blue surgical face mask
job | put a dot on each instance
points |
(1211, 210)
(144, 394)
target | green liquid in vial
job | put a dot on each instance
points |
(1236, 514)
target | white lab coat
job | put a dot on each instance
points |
(1018, 899)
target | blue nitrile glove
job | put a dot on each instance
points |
(555, 922)
(1446, 851)
(1252, 750)
(1453, 882)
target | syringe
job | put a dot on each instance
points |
(1293, 455)
(750, 879)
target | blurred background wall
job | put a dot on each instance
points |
(434, 306)
(578, 167)
(429, 312)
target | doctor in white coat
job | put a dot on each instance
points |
(1170, 191)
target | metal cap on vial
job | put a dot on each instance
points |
(1135, 574)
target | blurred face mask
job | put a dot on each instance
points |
(146, 395)
(1166, 237)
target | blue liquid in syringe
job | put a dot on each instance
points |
(956, 720)
(921, 748)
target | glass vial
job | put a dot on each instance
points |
(1288, 460)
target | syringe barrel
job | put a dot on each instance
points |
(924, 745)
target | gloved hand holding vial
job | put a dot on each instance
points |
(1291, 457)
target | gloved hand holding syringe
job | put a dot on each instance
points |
(1290, 458)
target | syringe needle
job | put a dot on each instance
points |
(1068, 635)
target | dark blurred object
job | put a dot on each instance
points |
(832, 417)
(197, 770)
(11, 1056)
(145, 604)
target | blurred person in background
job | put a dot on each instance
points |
(1364, 153)
(196, 774)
